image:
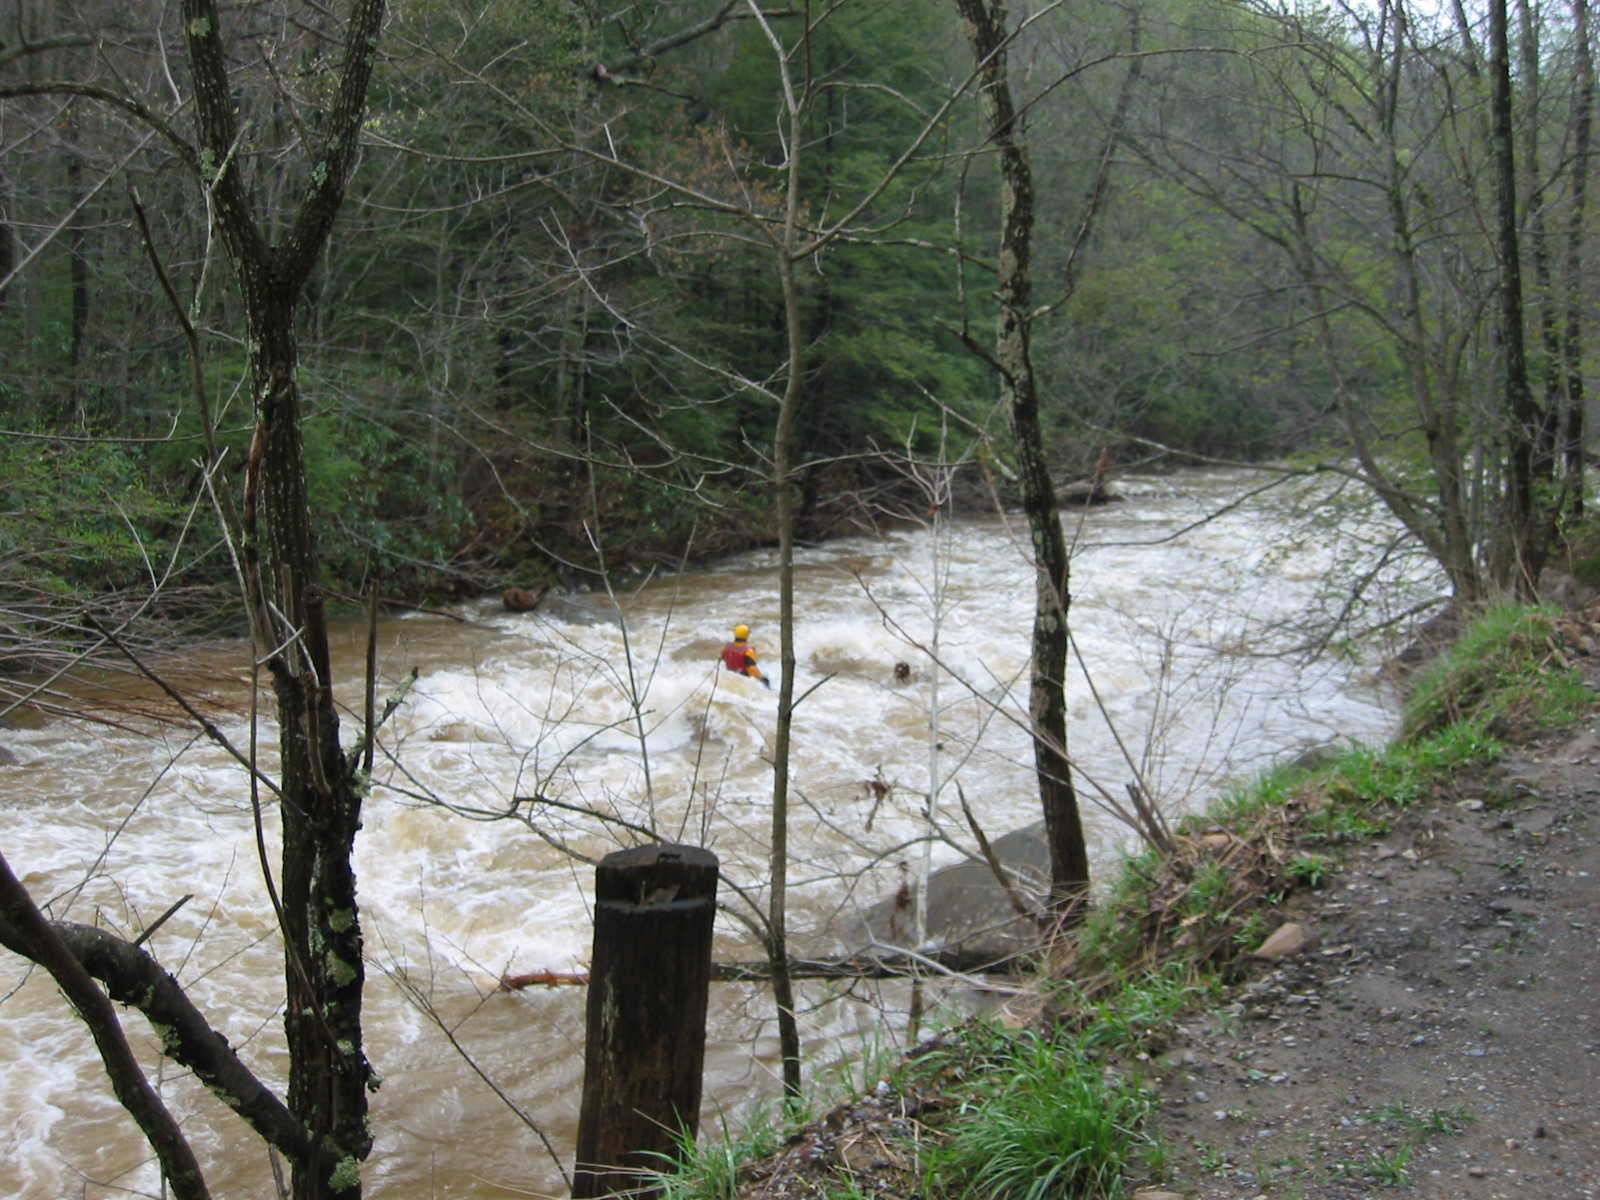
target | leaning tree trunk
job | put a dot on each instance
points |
(1047, 703)
(1434, 392)
(24, 929)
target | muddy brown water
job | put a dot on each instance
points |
(616, 707)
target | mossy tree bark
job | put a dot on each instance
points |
(321, 788)
(323, 1128)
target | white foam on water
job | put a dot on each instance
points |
(517, 715)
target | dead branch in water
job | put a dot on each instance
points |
(860, 966)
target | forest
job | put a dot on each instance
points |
(545, 338)
(319, 306)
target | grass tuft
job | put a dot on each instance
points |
(1052, 1125)
(708, 1168)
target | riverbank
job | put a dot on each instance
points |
(1438, 1032)
(1426, 1020)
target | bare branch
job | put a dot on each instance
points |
(24, 929)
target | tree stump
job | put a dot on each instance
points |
(649, 979)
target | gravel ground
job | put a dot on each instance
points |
(1440, 1035)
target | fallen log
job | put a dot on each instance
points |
(872, 966)
(859, 966)
(512, 983)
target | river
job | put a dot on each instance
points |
(615, 706)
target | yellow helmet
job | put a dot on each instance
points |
(740, 632)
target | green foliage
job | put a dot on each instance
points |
(1464, 744)
(1391, 1166)
(1346, 821)
(1109, 933)
(1580, 551)
(1309, 869)
(707, 1168)
(1498, 675)
(1373, 777)
(378, 490)
(871, 313)
(1208, 887)
(1405, 773)
(381, 500)
(633, 364)
(1252, 930)
(1136, 350)
(519, 53)
(1438, 1120)
(1500, 670)
(1388, 1167)
(1045, 1122)
(1135, 1017)
(81, 515)
(1271, 789)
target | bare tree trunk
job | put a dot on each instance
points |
(1534, 190)
(1548, 410)
(1516, 561)
(8, 237)
(1047, 707)
(1572, 425)
(320, 803)
(321, 788)
(77, 268)
(784, 486)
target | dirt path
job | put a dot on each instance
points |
(1440, 1037)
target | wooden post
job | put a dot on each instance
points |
(649, 977)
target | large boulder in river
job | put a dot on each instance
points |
(970, 918)
(1087, 493)
(522, 599)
